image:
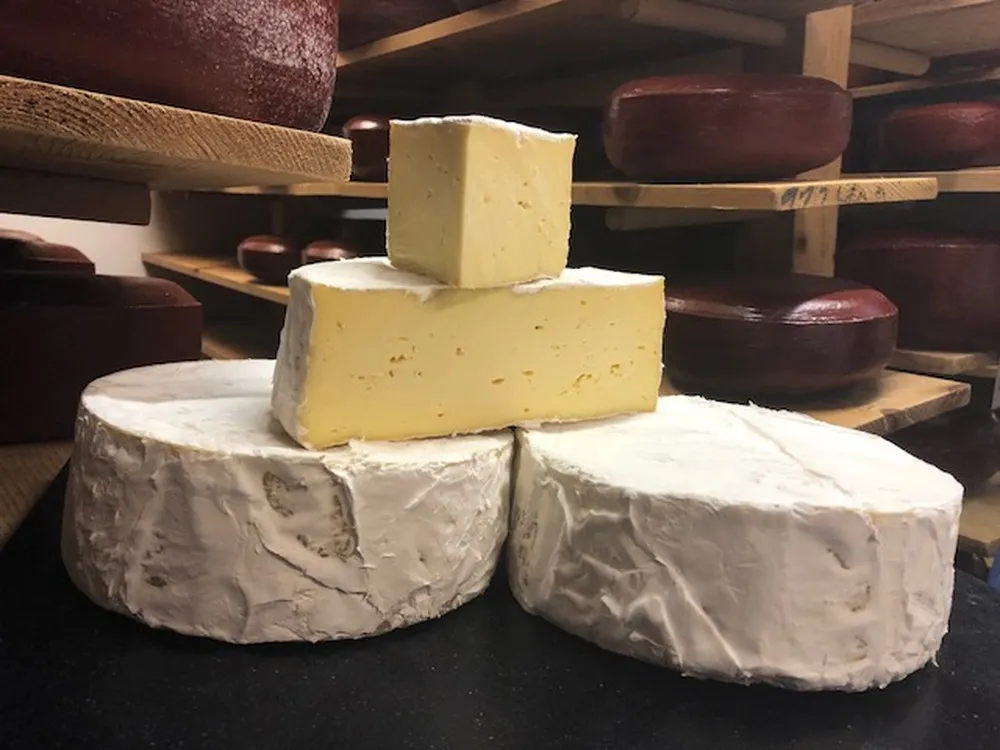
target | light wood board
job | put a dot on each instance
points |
(979, 180)
(55, 129)
(979, 524)
(923, 84)
(932, 27)
(790, 195)
(218, 270)
(896, 400)
(942, 363)
(25, 473)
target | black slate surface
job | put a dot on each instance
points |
(486, 676)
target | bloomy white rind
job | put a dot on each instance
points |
(817, 590)
(222, 528)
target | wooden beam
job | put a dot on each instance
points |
(722, 23)
(887, 11)
(68, 197)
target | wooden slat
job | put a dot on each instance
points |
(932, 27)
(942, 363)
(25, 473)
(924, 84)
(42, 194)
(979, 524)
(980, 180)
(896, 400)
(217, 270)
(55, 129)
(791, 195)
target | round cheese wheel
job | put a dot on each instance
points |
(369, 136)
(268, 60)
(269, 259)
(187, 508)
(324, 250)
(737, 543)
(41, 256)
(725, 127)
(944, 284)
(776, 336)
(949, 135)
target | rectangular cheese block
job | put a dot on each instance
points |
(375, 353)
(476, 202)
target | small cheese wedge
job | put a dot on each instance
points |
(372, 352)
(476, 202)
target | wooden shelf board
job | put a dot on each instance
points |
(25, 473)
(55, 129)
(979, 524)
(515, 38)
(236, 341)
(896, 400)
(943, 363)
(217, 270)
(791, 195)
(932, 27)
(927, 83)
(979, 180)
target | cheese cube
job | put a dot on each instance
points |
(375, 353)
(476, 202)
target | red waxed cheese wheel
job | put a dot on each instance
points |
(947, 286)
(61, 331)
(952, 135)
(269, 259)
(326, 250)
(45, 257)
(9, 237)
(369, 136)
(364, 21)
(266, 60)
(464, 5)
(776, 336)
(725, 127)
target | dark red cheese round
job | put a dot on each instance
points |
(776, 336)
(268, 259)
(950, 135)
(44, 257)
(946, 285)
(725, 127)
(369, 136)
(266, 60)
(11, 237)
(326, 250)
(69, 329)
(364, 21)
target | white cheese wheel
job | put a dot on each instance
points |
(737, 543)
(188, 508)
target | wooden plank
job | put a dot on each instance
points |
(217, 270)
(979, 524)
(60, 196)
(790, 195)
(979, 180)
(230, 340)
(925, 84)
(25, 473)
(896, 400)
(49, 128)
(785, 9)
(942, 363)
(932, 27)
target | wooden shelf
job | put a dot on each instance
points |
(791, 195)
(514, 39)
(979, 525)
(217, 270)
(25, 473)
(945, 363)
(237, 341)
(54, 129)
(928, 83)
(936, 28)
(980, 180)
(896, 400)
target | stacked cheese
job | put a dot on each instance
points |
(473, 322)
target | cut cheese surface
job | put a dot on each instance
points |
(737, 543)
(476, 202)
(188, 508)
(371, 352)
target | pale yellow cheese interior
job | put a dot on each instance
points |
(478, 203)
(385, 364)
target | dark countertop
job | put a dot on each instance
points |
(486, 676)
